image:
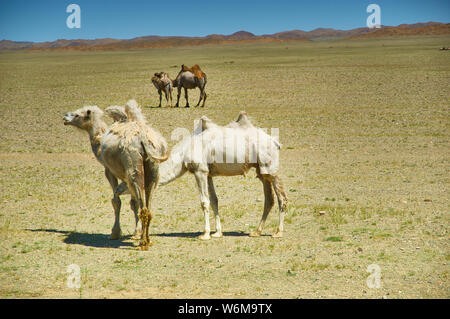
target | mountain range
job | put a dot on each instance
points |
(154, 41)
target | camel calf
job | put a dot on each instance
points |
(162, 82)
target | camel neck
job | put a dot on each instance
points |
(96, 132)
(173, 168)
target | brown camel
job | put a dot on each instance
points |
(191, 78)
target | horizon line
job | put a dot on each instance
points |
(204, 36)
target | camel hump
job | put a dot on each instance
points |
(117, 113)
(243, 119)
(134, 112)
(205, 123)
(196, 70)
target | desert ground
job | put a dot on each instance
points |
(365, 159)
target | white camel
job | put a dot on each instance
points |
(130, 151)
(232, 150)
(228, 151)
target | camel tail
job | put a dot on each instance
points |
(277, 144)
(205, 79)
(151, 154)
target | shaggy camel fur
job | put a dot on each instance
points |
(163, 83)
(190, 78)
(116, 112)
(130, 151)
(233, 150)
(89, 118)
(228, 151)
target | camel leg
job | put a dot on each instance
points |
(282, 204)
(151, 178)
(203, 91)
(138, 225)
(170, 96)
(186, 96)
(160, 97)
(178, 96)
(136, 187)
(204, 98)
(166, 94)
(202, 183)
(201, 96)
(215, 207)
(121, 190)
(116, 203)
(268, 204)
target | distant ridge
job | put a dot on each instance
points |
(154, 41)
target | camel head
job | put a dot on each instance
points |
(83, 118)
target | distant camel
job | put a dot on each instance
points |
(163, 83)
(191, 78)
(130, 151)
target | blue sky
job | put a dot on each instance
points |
(45, 20)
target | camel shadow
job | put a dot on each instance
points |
(87, 239)
(168, 107)
(196, 234)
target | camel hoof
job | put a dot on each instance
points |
(277, 235)
(217, 235)
(204, 237)
(114, 236)
(136, 236)
(143, 247)
(255, 234)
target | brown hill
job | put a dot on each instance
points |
(241, 35)
(430, 28)
(154, 41)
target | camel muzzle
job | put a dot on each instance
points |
(68, 118)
